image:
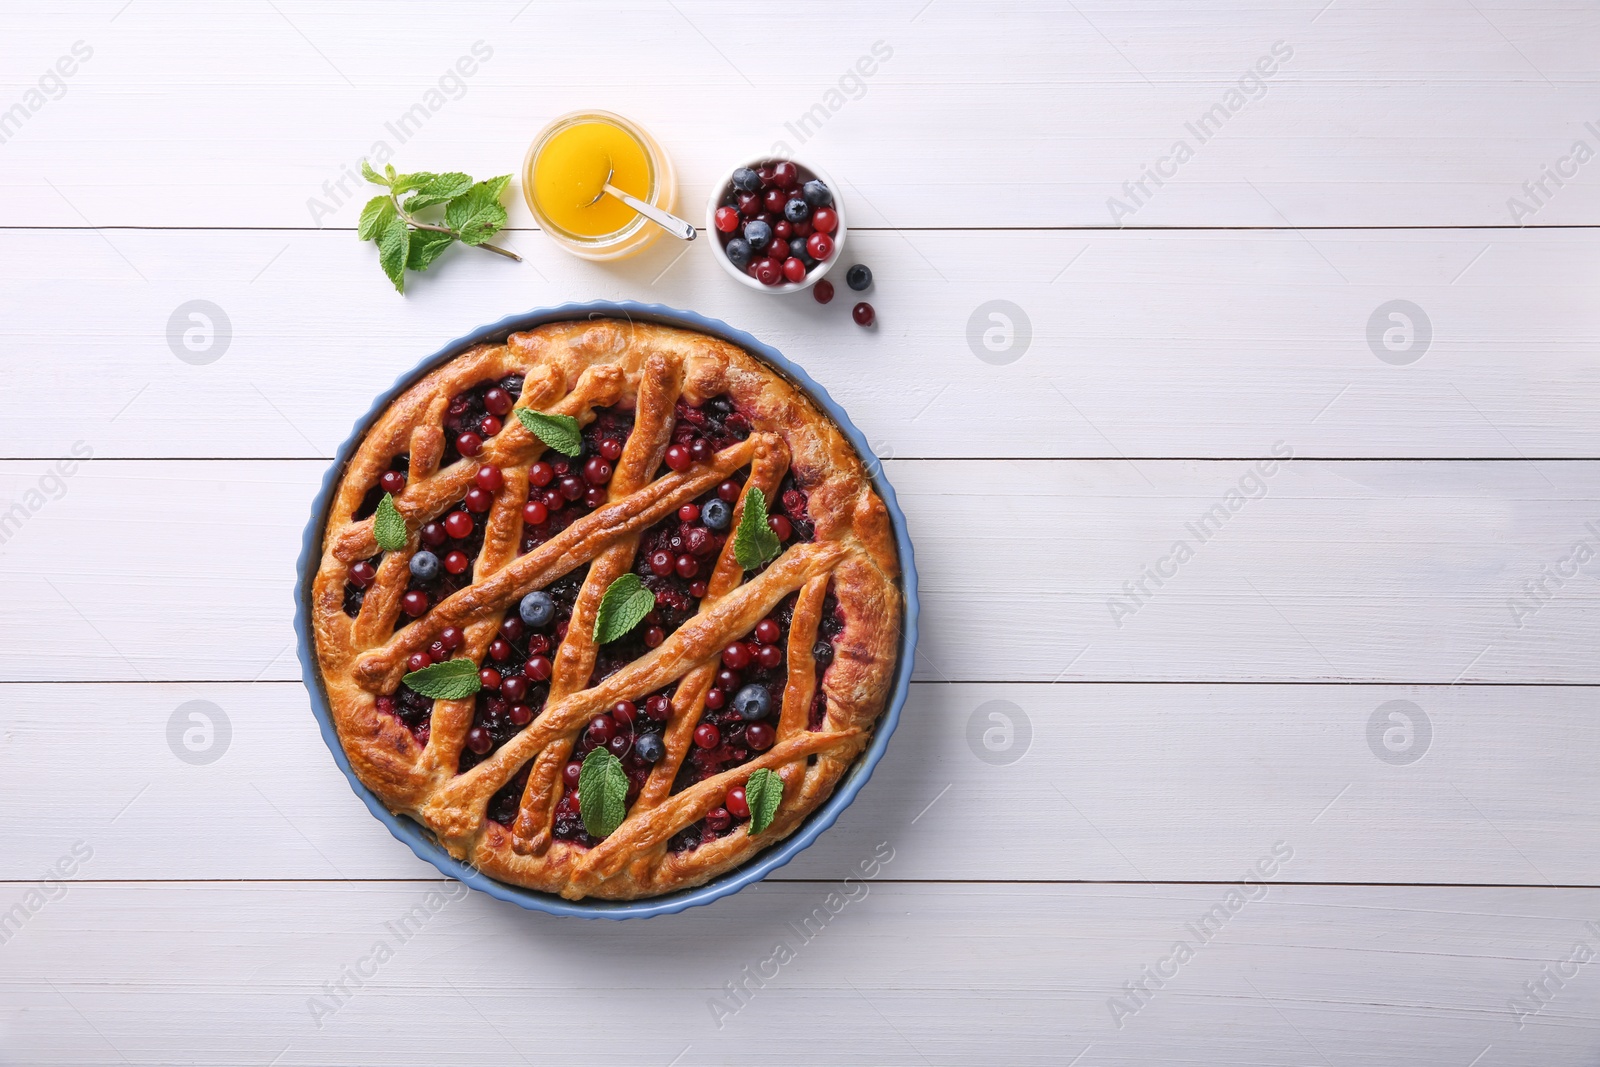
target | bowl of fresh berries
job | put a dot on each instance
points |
(778, 224)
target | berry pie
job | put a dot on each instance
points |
(609, 608)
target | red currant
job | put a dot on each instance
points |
(414, 603)
(498, 401)
(541, 474)
(469, 444)
(392, 482)
(863, 314)
(456, 562)
(678, 458)
(727, 219)
(534, 512)
(458, 524)
(489, 479)
(822, 292)
(824, 220)
(820, 245)
(706, 735)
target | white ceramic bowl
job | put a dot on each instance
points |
(723, 189)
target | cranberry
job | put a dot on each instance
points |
(611, 448)
(687, 566)
(863, 314)
(601, 729)
(718, 820)
(458, 524)
(706, 735)
(597, 471)
(511, 628)
(414, 603)
(386, 705)
(820, 245)
(770, 657)
(469, 444)
(489, 678)
(520, 715)
(698, 540)
(433, 534)
(822, 291)
(700, 450)
(553, 500)
(541, 474)
(736, 656)
(437, 652)
(768, 272)
(538, 668)
(727, 219)
(392, 481)
(534, 512)
(782, 230)
(572, 487)
(768, 631)
(785, 174)
(624, 711)
(654, 636)
(498, 401)
(697, 589)
(824, 220)
(678, 458)
(759, 736)
(780, 526)
(658, 706)
(450, 637)
(499, 650)
(773, 200)
(736, 803)
(479, 740)
(661, 563)
(514, 688)
(489, 479)
(417, 661)
(802, 229)
(728, 491)
(688, 513)
(478, 500)
(766, 174)
(620, 745)
(715, 698)
(728, 679)
(488, 426)
(594, 497)
(749, 206)
(362, 574)
(794, 270)
(570, 773)
(456, 562)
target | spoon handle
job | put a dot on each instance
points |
(666, 220)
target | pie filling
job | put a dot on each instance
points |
(477, 414)
(631, 731)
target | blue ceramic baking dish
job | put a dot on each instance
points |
(421, 840)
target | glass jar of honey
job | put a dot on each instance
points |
(569, 162)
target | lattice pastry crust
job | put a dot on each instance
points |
(576, 369)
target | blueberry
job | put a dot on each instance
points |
(752, 702)
(758, 233)
(738, 251)
(649, 747)
(816, 194)
(796, 210)
(746, 180)
(716, 514)
(858, 277)
(537, 609)
(425, 566)
(797, 249)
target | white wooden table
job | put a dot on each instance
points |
(1087, 770)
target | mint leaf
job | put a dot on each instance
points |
(454, 679)
(425, 248)
(388, 527)
(624, 606)
(755, 543)
(476, 215)
(404, 183)
(393, 247)
(374, 217)
(763, 791)
(602, 793)
(560, 432)
(373, 176)
(439, 188)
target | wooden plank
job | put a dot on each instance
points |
(1401, 572)
(982, 782)
(945, 974)
(1435, 113)
(1138, 344)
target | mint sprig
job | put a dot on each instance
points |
(388, 527)
(602, 793)
(472, 214)
(625, 604)
(754, 543)
(763, 791)
(559, 432)
(454, 679)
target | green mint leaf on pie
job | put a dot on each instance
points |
(394, 244)
(425, 248)
(477, 215)
(602, 793)
(454, 679)
(374, 217)
(373, 176)
(623, 607)
(763, 792)
(388, 527)
(560, 432)
(755, 543)
(438, 189)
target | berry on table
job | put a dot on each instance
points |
(863, 314)
(425, 566)
(537, 608)
(823, 291)
(858, 277)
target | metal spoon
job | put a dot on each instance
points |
(665, 219)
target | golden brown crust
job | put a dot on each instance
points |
(574, 368)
